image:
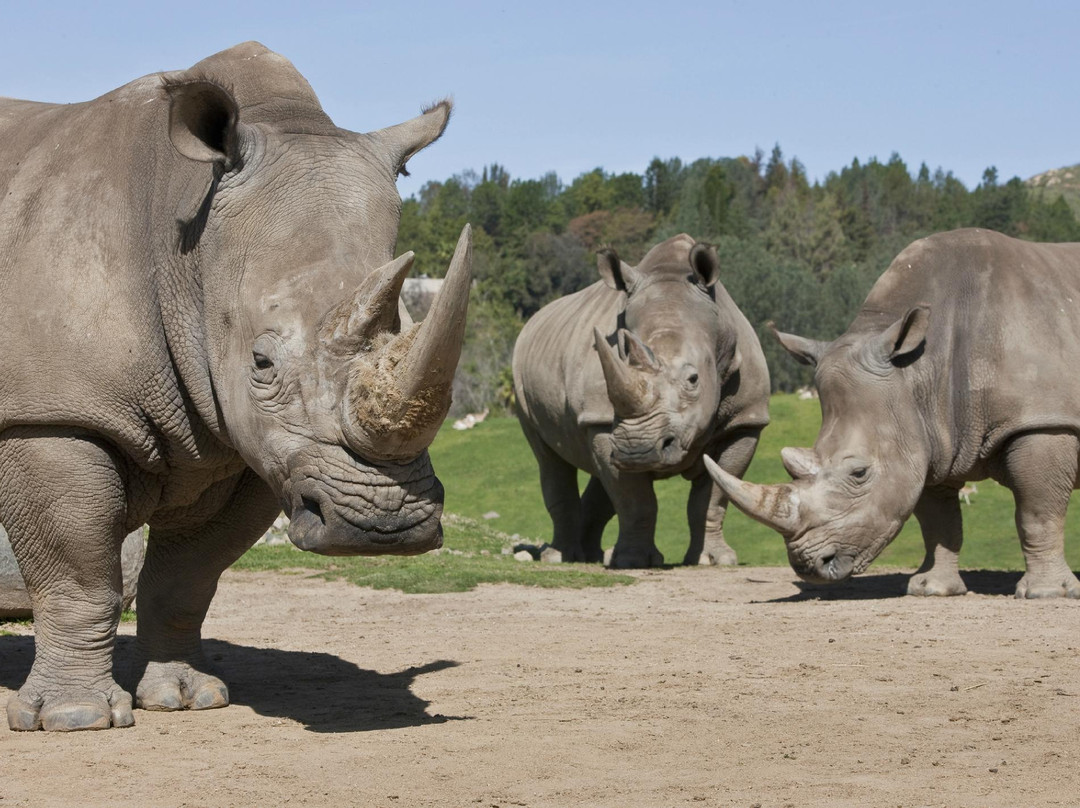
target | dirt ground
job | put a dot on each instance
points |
(692, 687)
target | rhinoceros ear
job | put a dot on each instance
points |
(705, 264)
(203, 121)
(806, 351)
(615, 273)
(402, 141)
(902, 342)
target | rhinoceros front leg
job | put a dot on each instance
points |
(1040, 469)
(938, 512)
(64, 507)
(707, 504)
(177, 583)
(596, 512)
(634, 501)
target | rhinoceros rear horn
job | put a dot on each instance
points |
(775, 506)
(399, 143)
(371, 310)
(399, 396)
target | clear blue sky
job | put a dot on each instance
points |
(569, 86)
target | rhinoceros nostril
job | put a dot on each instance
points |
(667, 444)
(314, 508)
(826, 560)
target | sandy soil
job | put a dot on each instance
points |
(692, 687)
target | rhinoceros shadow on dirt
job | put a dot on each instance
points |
(321, 691)
(894, 585)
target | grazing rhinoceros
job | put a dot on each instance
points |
(955, 369)
(634, 379)
(200, 327)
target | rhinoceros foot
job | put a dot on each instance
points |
(630, 558)
(179, 686)
(35, 707)
(936, 584)
(1060, 583)
(720, 555)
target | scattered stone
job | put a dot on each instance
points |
(523, 555)
(278, 533)
(549, 554)
(531, 549)
(491, 515)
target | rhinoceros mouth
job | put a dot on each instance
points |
(828, 566)
(339, 504)
(663, 454)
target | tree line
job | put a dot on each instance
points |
(798, 253)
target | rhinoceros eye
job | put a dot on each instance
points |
(692, 378)
(262, 362)
(859, 473)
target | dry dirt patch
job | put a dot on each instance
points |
(692, 687)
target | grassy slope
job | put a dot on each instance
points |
(1059, 182)
(490, 468)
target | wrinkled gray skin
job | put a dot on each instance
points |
(958, 367)
(200, 328)
(635, 379)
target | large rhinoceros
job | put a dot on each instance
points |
(957, 368)
(200, 327)
(634, 379)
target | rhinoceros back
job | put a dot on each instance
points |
(1003, 337)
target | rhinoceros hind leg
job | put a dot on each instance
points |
(1040, 468)
(559, 486)
(938, 512)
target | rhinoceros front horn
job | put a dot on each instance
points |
(627, 387)
(775, 506)
(398, 395)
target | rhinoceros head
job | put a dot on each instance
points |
(320, 381)
(853, 491)
(665, 364)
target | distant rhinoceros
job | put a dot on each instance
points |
(634, 379)
(199, 326)
(960, 366)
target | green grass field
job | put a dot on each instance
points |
(491, 469)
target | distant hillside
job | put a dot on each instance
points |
(1059, 182)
